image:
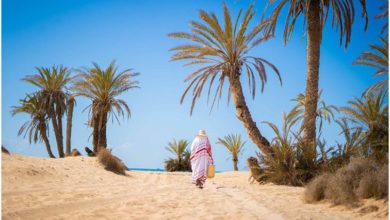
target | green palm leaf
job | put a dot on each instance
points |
(223, 52)
(377, 58)
(234, 144)
(178, 148)
(370, 114)
(102, 86)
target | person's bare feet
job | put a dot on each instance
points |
(199, 184)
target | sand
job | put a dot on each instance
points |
(79, 188)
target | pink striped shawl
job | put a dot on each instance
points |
(201, 158)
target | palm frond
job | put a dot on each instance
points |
(343, 13)
(222, 52)
(102, 86)
(377, 58)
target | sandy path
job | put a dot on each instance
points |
(78, 188)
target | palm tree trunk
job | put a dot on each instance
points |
(103, 130)
(59, 114)
(42, 130)
(56, 133)
(69, 124)
(243, 114)
(95, 134)
(235, 162)
(314, 35)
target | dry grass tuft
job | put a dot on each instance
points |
(75, 153)
(4, 150)
(111, 162)
(342, 185)
(257, 174)
(374, 184)
(361, 178)
(339, 190)
(315, 190)
(368, 209)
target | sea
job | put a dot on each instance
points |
(147, 169)
(155, 170)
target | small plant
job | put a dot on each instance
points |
(281, 166)
(111, 162)
(182, 160)
(361, 178)
(315, 190)
(374, 184)
(234, 145)
(370, 113)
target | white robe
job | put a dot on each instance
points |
(201, 158)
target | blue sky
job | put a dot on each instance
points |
(76, 33)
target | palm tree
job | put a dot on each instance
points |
(384, 15)
(322, 158)
(353, 142)
(182, 154)
(324, 112)
(37, 127)
(371, 114)
(234, 145)
(223, 54)
(102, 86)
(283, 167)
(69, 117)
(178, 148)
(379, 59)
(315, 14)
(52, 84)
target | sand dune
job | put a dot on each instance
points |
(78, 188)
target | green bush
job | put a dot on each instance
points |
(182, 161)
(172, 165)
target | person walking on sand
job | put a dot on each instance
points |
(201, 157)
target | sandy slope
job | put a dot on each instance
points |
(78, 188)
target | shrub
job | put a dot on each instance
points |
(4, 150)
(280, 168)
(339, 191)
(111, 162)
(182, 161)
(75, 153)
(172, 165)
(315, 190)
(361, 178)
(374, 184)
(343, 184)
(290, 162)
(383, 182)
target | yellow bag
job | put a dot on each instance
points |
(211, 171)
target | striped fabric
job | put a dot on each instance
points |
(201, 157)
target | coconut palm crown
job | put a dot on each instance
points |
(222, 54)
